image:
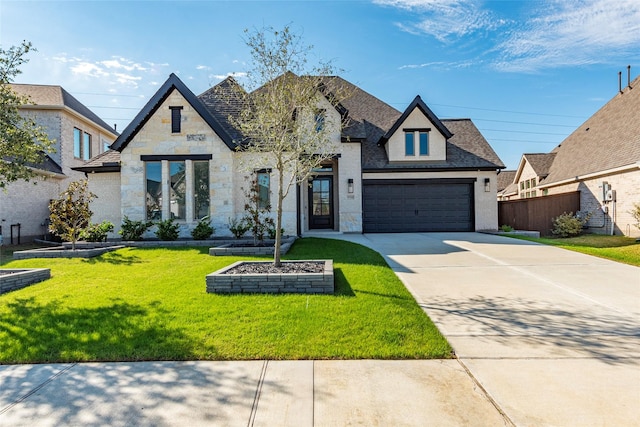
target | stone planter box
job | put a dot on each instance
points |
(297, 283)
(230, 248)
(14, 279)
(65, 252)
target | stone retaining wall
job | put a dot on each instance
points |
(297, 283)
(22, 278)
(228, 249)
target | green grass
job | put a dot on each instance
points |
(617, 248)
(151, 304)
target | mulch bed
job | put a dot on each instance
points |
(269, 268)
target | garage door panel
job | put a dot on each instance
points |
(418, 206)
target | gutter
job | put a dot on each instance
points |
(590, 175)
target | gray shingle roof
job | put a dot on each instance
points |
(57, 96)
(505, 179)
(540, 162)
(609, 139)
(109, 161)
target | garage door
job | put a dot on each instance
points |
(397, 206)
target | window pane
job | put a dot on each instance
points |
(86, 147)
(424, 144)
(201, 189)
(319, 119)
(264, 182)
(178, 190)
(77, 143)
(176, 116)
(153, 171)
(408, 144)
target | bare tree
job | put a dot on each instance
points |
(281, 116)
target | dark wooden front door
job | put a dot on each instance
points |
(321, 203)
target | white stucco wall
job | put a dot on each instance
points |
(106, 207)
(396, 145)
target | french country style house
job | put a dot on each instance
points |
(392, 171)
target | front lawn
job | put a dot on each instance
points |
(151, 304)
(616, 248)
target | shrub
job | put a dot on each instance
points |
(256, 213)
(271, 231)
(238, 227)
(635, 213)
(167, 230)
(70, 213)
(133, 230)
(506, 228)
(203, 230)
(97, 232)
(567, 225)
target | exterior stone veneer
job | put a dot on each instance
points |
(22, 278)
(293, 283)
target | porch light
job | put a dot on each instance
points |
(487, 185)
(350, 185)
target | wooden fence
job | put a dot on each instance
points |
(537, 213)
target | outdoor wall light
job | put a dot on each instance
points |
(487, 185)
(350, 185)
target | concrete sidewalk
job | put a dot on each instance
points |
(250, 393)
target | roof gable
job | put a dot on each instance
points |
(417, 103)
(172, 83)
(57, 97)
(539, 162)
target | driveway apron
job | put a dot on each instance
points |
(551, 335)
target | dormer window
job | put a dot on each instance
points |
(409, 145)
(176, 118)
(319, 119)
(424, 144)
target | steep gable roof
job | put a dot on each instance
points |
(607, 140)
(417, 103)
(467, 149)
(505, 179)
(172, 83)
(539, 162)
(53, 96)
(222, 101)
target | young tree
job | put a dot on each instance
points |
(22, 142)
(280, 117)
(70, 214)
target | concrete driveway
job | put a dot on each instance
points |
(552, 336)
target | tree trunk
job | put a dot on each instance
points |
(276, 250)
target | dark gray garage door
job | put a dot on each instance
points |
(397, 206)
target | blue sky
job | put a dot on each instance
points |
(526, 72)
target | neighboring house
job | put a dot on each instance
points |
(79, 134)
(532, 170)
(392, 171)
(506, 188)
(601, 159)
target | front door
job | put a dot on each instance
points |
(321, 202)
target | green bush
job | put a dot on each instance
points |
(203, 230)
(238, 227)
(167, 230)
(506, 228)
(635, 213)
(133, 230)
(97, 232)
(567, 225)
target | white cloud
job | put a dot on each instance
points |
(441, 65)
(572, 34)
(88, 69)
(122, 63)
(445, 20)
(238, 74)
(202, 67)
